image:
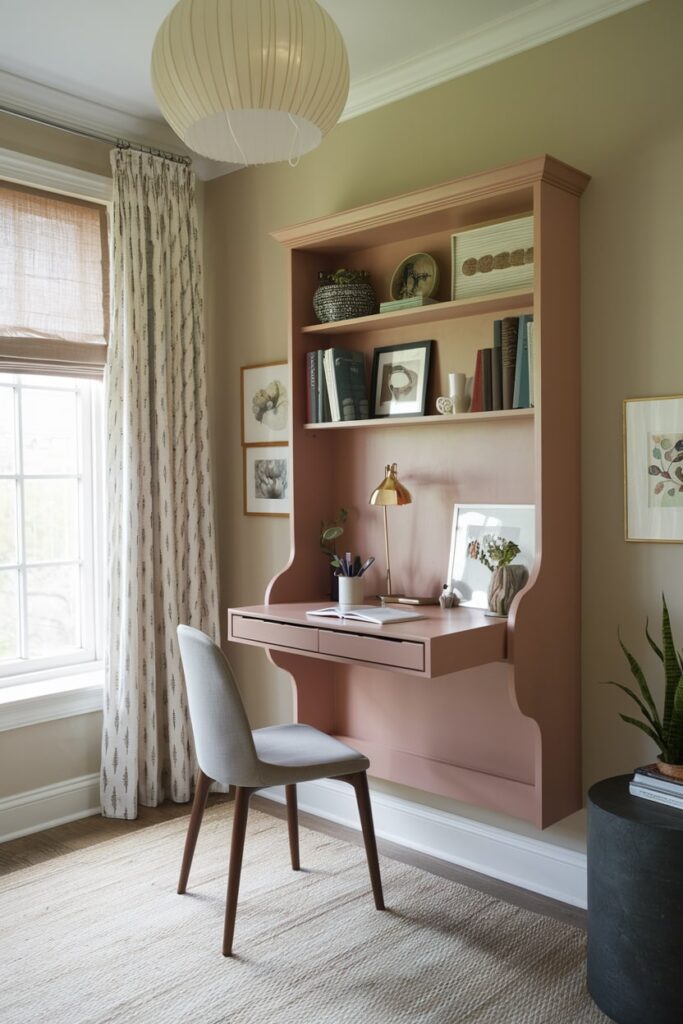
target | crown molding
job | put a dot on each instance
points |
(41, 101)
(539, 23)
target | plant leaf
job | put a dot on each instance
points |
(672, 669)
(656, 725)
(639, 677)
(654, 470)
(651, 642)
(644, 728)
(675, 740)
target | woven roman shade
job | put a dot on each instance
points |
(54, 283)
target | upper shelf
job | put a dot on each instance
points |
(498, 303)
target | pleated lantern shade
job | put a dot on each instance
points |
(250, 81)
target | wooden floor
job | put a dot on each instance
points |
(77, 835)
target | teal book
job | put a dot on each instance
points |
(521, 397)
(350, 385)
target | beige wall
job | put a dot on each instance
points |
(40, 755)
(609, 100)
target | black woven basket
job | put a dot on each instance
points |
(344, 301)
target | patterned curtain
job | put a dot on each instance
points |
(161, 558)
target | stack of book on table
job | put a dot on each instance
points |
(504, 374)
(649, 784)
(336, 386)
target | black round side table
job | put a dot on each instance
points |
(635, 905)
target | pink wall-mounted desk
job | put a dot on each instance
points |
(440, 643)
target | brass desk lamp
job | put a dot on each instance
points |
(389, 492)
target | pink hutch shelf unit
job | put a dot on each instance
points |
(482, 710)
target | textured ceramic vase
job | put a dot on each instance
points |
(506, 581)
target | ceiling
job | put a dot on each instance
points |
(86, 62)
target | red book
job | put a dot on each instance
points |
(478, 384)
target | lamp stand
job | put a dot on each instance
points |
(387, 597)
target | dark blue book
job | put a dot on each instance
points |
(497, 366)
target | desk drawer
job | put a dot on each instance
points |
(357, 647)
(277, 634)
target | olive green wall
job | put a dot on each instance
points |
(607, 99)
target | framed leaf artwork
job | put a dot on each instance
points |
(653, 469)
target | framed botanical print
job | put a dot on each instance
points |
(266, 480)
(265, 404)
(653, 469)
(399, 379)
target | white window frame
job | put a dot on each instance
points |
(42, 696)
(90, 513)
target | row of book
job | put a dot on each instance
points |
(504, 374)
(649, 784)
(337, 387)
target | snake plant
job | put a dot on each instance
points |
(666, 729)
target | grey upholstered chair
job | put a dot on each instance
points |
(229, 752)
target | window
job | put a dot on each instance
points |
(54, 299)
(50, 522)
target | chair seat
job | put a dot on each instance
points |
(299, 753)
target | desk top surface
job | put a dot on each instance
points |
(437, 622)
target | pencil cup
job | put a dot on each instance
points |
(350, 590)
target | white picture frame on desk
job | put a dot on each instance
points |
(466, 575)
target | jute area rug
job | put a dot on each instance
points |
(100, 935)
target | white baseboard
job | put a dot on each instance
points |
(38, 809)
(519, 860)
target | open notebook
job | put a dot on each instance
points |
(366, 613)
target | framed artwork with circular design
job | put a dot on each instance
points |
(399, 379)
(495, 258)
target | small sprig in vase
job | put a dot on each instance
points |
(497, 554)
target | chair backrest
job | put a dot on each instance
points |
(222, 735)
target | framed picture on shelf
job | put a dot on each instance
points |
(265, 403)
(266, 480)
(399, 379)
(495, 258)
(653, 469)
(466, 574)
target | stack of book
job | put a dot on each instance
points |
(504, 374)
(649, 784)
(336, 386)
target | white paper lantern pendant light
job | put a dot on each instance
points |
(250, 81)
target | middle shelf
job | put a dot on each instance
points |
(416, 421)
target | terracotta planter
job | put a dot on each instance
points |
(506, 581)
(672, 771)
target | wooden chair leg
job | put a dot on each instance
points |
(201, 794)
(293, 826)
(239, 829)
(359, 781)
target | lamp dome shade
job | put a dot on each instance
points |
(250, 81)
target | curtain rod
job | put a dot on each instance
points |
(110, 139)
